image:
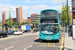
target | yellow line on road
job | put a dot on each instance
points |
(62, 43)
(15, 37)
(51, 46)
(45, 45)
(48, 45)
(54, 46)
(26, 49)
(36, 44)
(31, 46)
(53, 43)
(41, 45)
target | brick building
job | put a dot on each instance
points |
(29, 20)
(19, 14)
(3, 18)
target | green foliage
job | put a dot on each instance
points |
(64, 13)
(18, 24)
(36, 22)
(31, 26)
(0, 23)
(24, 23)
(9, 22)
(70, 17)
(14, 23)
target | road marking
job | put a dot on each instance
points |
(48, 45)
(51, 46)
(45, 45)
(37, 38)
(31, 46)
(53, 43)
(36, 44)
(0, 45)
(62, 43)
(9, 48)
(54, 46)
(41, 45)
(15, 37)
(28, 47)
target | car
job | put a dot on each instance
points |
(19, 32)
(11, 32)
(3, 34)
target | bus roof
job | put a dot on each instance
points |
(49, 9)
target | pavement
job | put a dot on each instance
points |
(68, 42)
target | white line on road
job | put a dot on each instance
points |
(0, 45)
(15, 41)
(37, 38)
(9, 48)
(28, 47)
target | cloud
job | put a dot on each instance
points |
(59, 1)
(39, 7)
(32, 2)
(59, 8)
(27, 0)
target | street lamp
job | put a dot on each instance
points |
(27, 14)
(68, 19)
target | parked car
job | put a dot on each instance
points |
(3, 34)
(18, 32)
(10, 32)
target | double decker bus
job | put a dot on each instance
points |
(49, 25)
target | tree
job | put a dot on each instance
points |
(14, 23)
(64, 14)
(9, 22)
(0, 23)
(18, 24)
(36, 22)
(24, 23)
(70, 19)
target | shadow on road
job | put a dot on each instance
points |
(46, 41)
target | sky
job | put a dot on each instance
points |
(29, 6)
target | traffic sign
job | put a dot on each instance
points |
(74, 32)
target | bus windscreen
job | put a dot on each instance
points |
(49, 14)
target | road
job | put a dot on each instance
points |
(30, 42)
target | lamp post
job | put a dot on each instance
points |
(27, 14)
(68, 19)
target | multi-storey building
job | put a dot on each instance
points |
(34, 18)
(19, 14)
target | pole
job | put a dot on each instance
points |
(68, 19)
(9, 20)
